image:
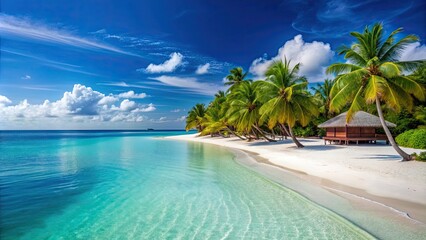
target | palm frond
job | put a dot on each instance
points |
(339, 68)
(389, 69)
(410, 65)
(395, 50)
(410, 86)
(356, 105)
(343, 95)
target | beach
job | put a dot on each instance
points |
(371, 177)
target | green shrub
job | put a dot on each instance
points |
(307, 131)
(415, 138)
(321, 132)
(402, 139)
(420, 157)
(404, 121)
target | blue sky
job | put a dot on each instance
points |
(144, 64)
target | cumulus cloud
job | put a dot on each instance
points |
(4, 100)
(147, 108)
(127, 105)
(203, 69)
(82, 103)
(190, 84)
(168, 66)
(26, 77)
(314, 58)
(414, 51)
(107, 100)
(132, 94)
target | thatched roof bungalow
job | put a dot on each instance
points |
(361, 128)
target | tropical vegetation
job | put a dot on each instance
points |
(374, 76)
(414, 138)
(372, 79)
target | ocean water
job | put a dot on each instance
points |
(135, 185)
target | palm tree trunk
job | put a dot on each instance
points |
(404, 155)
(273, 133)
(285, 131)
(263, 135)
(298, 144)
(240, 137)
(256, 136)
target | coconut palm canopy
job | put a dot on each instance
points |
(360, 119)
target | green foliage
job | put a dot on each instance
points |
(420, 74)
(196, 117)
(236, 77)
(420, 157)
(321, 132)
(285, 97)
(322, 95)
(244, 107)
(404, 121)
(307, 131)
(415, 138)
(420, 114)
(375, 73)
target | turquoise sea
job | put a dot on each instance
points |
(137, 185)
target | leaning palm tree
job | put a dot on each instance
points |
(373, 75)
(243, 110)
(286, 99)
(215, 120)
(196, 117)
(322, 93)
(235, 77)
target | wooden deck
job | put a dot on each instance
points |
(347, 140)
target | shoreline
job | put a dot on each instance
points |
(385, 187)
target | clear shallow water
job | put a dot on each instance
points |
(116, 185)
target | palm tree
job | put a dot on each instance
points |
(196, 117)
(286, 99)
(212, 118)
(373, 75)
(235, 77)
(244, 109)
(322, 93)
(216, 121)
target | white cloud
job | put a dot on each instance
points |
(127, 105)
(190, 84)
(414, 51)
(26, 77)
(132, 94)
(4, 100)
(203, 69)
(314, 58)
(149, 108)
(181, 119)
(28, 29)
(176, 110)
(162, 118)
(258, 67)
(82, 103)
(146, 108)
(168, 66)
(108, 100)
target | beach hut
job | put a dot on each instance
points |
(362, 128)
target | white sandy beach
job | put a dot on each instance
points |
(371, 171)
